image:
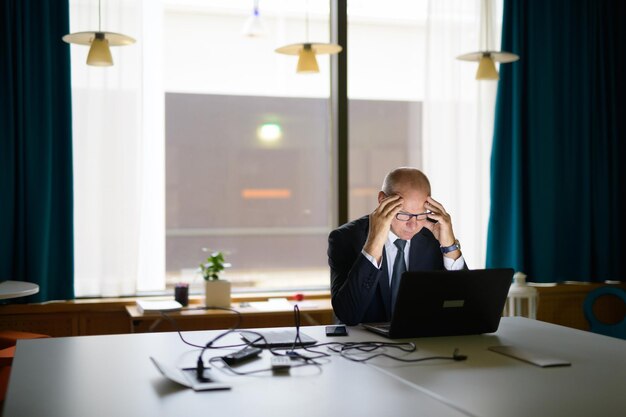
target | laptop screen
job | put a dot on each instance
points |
(450, 303)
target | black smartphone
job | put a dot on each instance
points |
(338, 330)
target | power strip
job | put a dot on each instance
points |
(242, 355)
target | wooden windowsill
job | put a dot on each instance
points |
(119, 303)
(97, 316)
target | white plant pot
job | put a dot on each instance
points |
(217, 293)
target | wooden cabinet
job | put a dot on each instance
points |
(563, 304)
(559, 304)
(118, 316)
(66, 318)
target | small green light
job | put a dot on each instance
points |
(269, 132)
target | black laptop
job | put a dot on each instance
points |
(447, 303)
(276, 338)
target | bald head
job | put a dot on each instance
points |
(405, 178)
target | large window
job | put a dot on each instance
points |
(248, 145)
(202, 138)
(266, 201)
(386, 74)
(249, 176)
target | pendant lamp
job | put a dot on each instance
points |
(99, 42)
(307, 52)
(254, 24)
(487, 57)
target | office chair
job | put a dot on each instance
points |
(8, 340)
(609, 329)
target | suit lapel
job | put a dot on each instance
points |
(383, 275)
(414, 250)
(424, 254)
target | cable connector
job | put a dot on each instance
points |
(458, 357)
(280, 363)
(200, 371)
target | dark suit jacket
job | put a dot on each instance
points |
(360, 292)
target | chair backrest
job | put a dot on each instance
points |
(608, 329)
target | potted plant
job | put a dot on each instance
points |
(216, 290)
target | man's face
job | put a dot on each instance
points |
(413, 203)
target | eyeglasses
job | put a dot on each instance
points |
(405, 217)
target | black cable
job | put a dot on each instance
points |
(298, 343)
(308, 348)
(240, 373)
(316, 352)
(292, 354)
(291, 351)
(296, 320)
(210, 343)
(345, 349)
(370, 346)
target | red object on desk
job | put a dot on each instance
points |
(298, 297)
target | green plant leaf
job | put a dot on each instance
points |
(213, 266)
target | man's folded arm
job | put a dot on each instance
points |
(353, 281)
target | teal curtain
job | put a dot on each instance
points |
(36, 230)
(558, 167)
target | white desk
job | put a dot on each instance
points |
(14, 289)
(112, 376)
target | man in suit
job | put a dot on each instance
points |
(409, 230)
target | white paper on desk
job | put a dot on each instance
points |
(171, 373)
(178, 376)
(273, 304)
(157, 306)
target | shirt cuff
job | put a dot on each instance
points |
(370, 258)
(453, 265)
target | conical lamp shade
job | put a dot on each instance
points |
(307, 62)
(254, 25)
(99, 52)
(487, 69)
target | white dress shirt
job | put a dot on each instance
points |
(391, 250)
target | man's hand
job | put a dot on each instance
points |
(380, 223)
(442, 230)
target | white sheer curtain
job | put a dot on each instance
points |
(458, 121)
(118, 123)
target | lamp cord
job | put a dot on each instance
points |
(307, 22)
(488, 23)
